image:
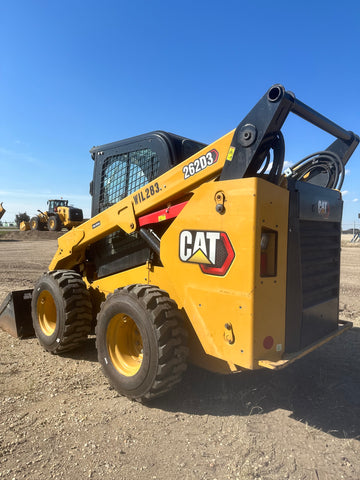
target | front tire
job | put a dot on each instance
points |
(141, 341)
(54, 223)
(35, 224)
(61, 311)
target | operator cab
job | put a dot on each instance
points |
(53, 204)
(121, 168)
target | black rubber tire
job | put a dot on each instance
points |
(54, 223)
(163, 336)
(70, 309)
(35, 224)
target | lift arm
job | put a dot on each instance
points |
(240, 153)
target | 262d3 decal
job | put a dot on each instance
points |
(211, 250)
(200, 163)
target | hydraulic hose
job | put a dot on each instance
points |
(323, 168)
(277, 145)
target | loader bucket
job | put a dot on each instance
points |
(15, 314)
(2, 210)
(24, 226)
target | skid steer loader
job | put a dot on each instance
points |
(202, 253)
(58, 215)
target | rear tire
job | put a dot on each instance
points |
(61, 311)
(141, 341)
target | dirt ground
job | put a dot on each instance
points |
(60, 420)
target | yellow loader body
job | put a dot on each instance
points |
(210, 253)
(232, 312)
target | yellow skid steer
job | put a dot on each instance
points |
(212, 254)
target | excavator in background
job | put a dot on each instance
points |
(213, 254)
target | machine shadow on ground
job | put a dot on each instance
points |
(87, 352)
(321, 390)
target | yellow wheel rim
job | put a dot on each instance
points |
(46, 312)
(51, 223)
(124, 345)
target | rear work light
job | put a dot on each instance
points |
(268, 255)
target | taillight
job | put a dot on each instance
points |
(268, 342)
(268, 253)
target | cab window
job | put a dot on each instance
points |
(125, 173)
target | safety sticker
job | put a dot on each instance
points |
(230, 154)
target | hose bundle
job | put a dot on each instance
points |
(277, 145)
(323, 168)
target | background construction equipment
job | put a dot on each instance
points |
(58, 215)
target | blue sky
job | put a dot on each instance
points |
(74, 74)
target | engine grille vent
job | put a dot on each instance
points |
(320, 261)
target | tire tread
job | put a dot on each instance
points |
(77, 309)
(171, 337)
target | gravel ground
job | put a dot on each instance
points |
(60, 419)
